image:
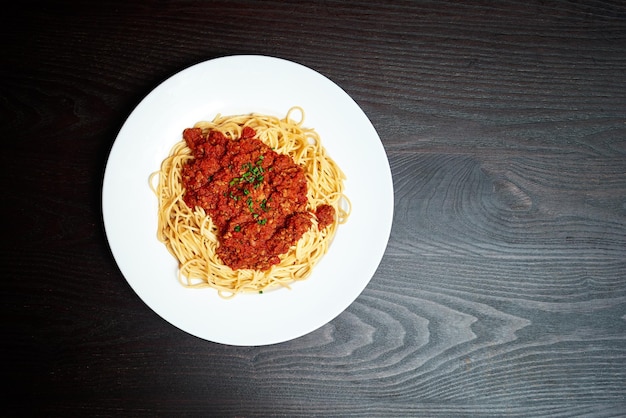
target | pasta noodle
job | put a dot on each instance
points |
(191, 235)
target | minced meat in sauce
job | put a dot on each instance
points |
(255, 196)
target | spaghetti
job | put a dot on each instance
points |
(248, 202)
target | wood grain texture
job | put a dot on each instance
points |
(503, 288)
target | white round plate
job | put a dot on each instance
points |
(240, 85)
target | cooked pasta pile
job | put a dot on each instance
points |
(193, 236)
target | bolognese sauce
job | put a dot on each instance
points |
(256, 197)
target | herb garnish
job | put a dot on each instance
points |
(253, 175)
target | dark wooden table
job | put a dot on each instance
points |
(503, 288)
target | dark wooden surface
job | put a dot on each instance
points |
(503, 288)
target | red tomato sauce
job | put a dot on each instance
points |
(255, 196)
